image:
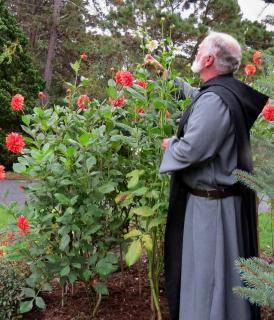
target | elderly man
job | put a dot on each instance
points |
(211, 219)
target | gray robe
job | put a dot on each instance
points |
(212, 239)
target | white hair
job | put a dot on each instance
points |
(226, 49)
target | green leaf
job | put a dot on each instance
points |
(104, 268)
(85, 82)
(70, 151)
(90, 162)
(134, 253)
(26, 306)
(87, 274)
(39, 301)
(111, 92)
(84, 139)
(76, 265)
(62, 198)
(111, 83)
(106, 188)
(29, 293)
(141, 191)
(101, 288)
(132, 233)
(26, 119)
(75, 66)
(64, 242)
(159, 104)
(134, 178)
(155, 222)
(147, 242)
(65, 271)
(142, 211)
(151, 86)
(123, 196)
(19, 168)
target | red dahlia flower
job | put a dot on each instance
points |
(4, 243)
(268, 112)
(119, 102)
(140, 110)
(84, 56)
(15, 142)
(10, 236)
(82, 100)
(142, 83)
(125, 78)
(2, 172)
(250, 69)
(17, 102)
(1, 252)
(42, 95)
(22, 223)
(168, 114)
(257, 57)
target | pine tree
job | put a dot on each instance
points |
(257, 274)
(258, 277)
(17, 75)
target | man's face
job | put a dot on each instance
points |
(199, 62)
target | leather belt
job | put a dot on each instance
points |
(216, 193)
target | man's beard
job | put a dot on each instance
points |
(197, 66)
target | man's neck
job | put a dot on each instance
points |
(208, 74)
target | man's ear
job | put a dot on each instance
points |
(209, 60)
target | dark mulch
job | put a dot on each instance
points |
(123, 303)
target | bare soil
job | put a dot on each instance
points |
(124, 301)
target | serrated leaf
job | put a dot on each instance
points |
(75, 66)
(39, 301)
(101, 288)
(19, 168)
(104, 267)
(26, 306)
(132, 233)
(90, 162)
(87, 274)
(62, 198)
(65, 271)
(64, 242)
(134, 252)
(29, 293)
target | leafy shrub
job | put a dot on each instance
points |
(12, 281)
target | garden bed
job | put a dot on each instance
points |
(123, 302)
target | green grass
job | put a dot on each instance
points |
(266, 227)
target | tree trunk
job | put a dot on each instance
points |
(52, 42)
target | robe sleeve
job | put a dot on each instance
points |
(207, 128)
(185, 89)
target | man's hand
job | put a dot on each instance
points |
(165, 143)
(153, 65)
